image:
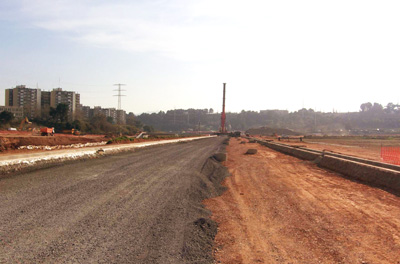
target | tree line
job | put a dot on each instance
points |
(370, 118)
(59, 119)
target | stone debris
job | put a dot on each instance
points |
(78, 145)
(220, 156)
(251, 151)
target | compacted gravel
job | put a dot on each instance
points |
(137, 207)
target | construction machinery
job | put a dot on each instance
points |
(71, 131)
(47, 131)
(142, 135)
(23, 123)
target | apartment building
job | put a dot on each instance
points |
(121, 117)
(27, 98)
(118, 116)
(31, 103)
(17, 111)
(45, 99)
(86, 111)
(71, 99)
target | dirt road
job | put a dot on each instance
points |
(279, 209)
(138, 207)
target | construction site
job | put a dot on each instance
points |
(229, 197)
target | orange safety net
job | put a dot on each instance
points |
(390, 155)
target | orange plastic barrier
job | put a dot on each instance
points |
(390, 155)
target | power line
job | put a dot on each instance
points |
(119, 90)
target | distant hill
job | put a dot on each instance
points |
(269, 131)
(366, 121)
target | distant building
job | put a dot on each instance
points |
(87, 113)
(274, 111)
(96, 111)
(118, 116)
(9, 97)
(17, 111)
(27, 98)
(45, 99)
(110, 112)
(77, 101)
(121, 117)
(71, 99)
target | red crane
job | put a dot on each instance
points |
(223, 115)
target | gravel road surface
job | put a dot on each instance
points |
(135, 207)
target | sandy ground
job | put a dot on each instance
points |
(279, 209)
(135, 207)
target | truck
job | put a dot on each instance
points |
(47, 131)
(71, 131)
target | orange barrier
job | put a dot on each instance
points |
(390, 155)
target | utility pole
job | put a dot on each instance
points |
(223, 115)
(315, 119)
(119, 90)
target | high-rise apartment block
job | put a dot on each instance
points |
(45, 99)
(27, 98)
(72, 99)
(32, 102)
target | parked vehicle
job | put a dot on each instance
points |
(47, 131)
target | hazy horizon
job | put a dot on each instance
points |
(176, 54)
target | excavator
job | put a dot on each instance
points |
(23, 122)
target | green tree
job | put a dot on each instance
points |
(6, 117)
(60, 113)
(99, 124)
(148, 128)
(365, 107)
(110, 119)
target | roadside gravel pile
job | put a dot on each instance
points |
(79, 145)
(200, 234)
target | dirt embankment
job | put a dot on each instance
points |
(12, 143)
(25, 141)
(279, 209)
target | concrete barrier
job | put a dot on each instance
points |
(299, 154)
(296, 152)
(364, 172)
(366, 161)
(369, 171)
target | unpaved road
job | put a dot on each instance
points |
(279, 209)
(137, 207)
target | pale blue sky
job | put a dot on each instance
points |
(176, 54)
